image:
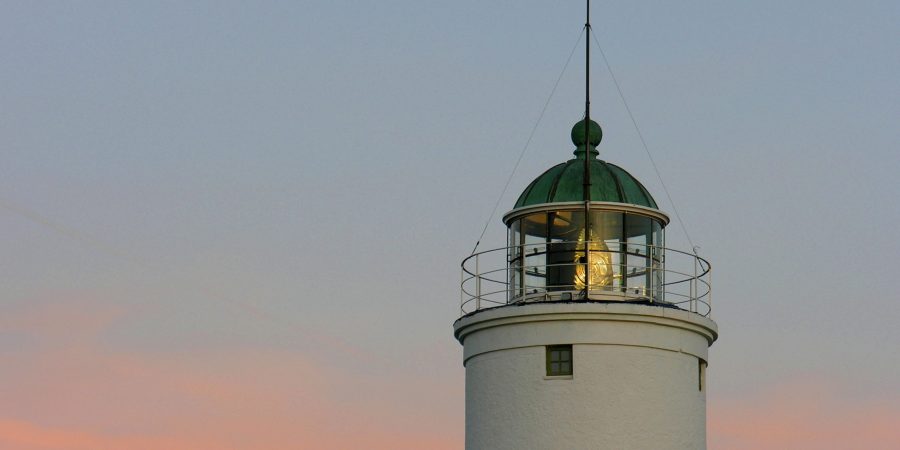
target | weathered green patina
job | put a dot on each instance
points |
(564, 182)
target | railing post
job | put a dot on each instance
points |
(509, 283)
(649, 250)
(477, 284)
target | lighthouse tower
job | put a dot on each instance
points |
(585, 331)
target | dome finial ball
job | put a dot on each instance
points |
(595, 133)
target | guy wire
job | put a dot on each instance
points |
(644, 143)
(527, 142)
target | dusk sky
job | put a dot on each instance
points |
(238, 225)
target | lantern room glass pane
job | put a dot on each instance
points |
(535, 252)
(657, 263)
(563, 232)
(640, 236)
(515, 260)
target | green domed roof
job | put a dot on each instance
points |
(564, 182)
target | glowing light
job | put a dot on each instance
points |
(600, 262)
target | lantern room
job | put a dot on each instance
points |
(586, 230)
(550, 256)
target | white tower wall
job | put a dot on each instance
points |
(636, 382)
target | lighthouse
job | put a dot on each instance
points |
(585, 331)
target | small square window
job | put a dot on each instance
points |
(559, 360)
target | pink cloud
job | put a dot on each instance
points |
(806, 413)
(70, 392)
(28, 436)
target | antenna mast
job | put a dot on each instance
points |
(587, 162)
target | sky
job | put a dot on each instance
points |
(239, 225)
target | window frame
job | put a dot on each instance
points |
(567, 348)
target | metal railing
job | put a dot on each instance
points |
(546, 272)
